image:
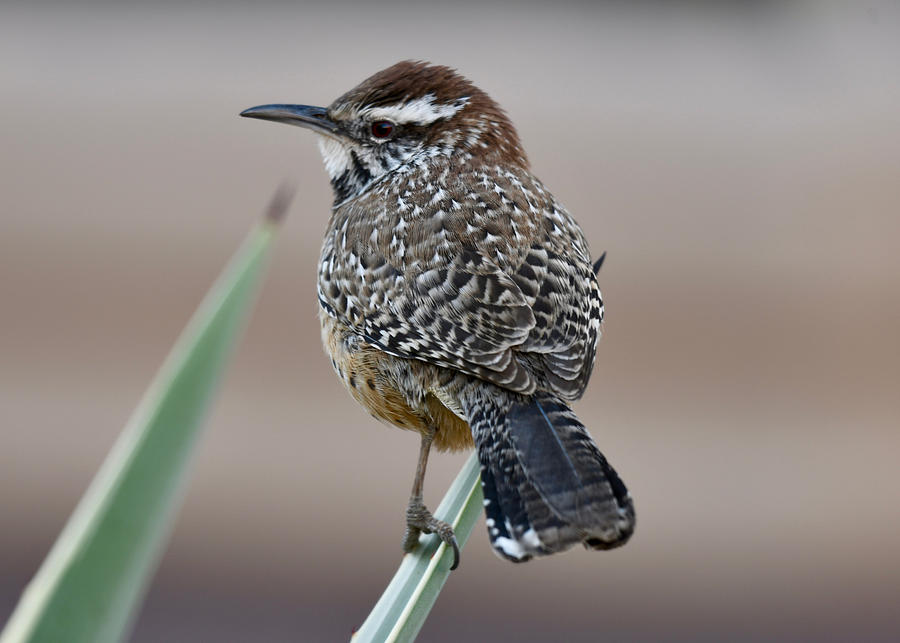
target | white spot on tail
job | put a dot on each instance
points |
(528, 545)
(509, 547)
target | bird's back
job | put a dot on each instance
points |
(475, 269)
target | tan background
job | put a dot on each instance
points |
(742, 168)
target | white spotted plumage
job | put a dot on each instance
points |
(466, 292)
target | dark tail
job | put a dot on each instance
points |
(546, 484)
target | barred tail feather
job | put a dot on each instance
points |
(546, 485)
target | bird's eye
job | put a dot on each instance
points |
(382, 129)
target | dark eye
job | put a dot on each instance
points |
(382, 129)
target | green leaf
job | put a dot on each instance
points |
(401, 611)
(90, 585)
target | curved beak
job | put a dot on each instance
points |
(314, 118)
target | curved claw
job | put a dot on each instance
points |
(455, 546)
(419, 520)
(411, 539)
(445, 533)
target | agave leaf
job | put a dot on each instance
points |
(90, 585)
(401, 611)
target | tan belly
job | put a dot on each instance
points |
(368, 373)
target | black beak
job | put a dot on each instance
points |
(314, 118)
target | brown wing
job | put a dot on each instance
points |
(498, 286)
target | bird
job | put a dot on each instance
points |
(457, 299)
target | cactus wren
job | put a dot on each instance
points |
(457, 299)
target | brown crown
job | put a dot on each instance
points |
(408, 80)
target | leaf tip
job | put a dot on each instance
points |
(281, 201)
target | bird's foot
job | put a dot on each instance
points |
(420, 521)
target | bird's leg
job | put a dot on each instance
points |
(418, 519)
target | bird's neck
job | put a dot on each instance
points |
(353, 174)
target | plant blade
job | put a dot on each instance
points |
(89, 586)
(403, 607)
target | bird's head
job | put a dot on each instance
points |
(409, 114)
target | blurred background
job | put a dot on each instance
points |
(741, 165)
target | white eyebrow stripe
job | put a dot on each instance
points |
(421, 111)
